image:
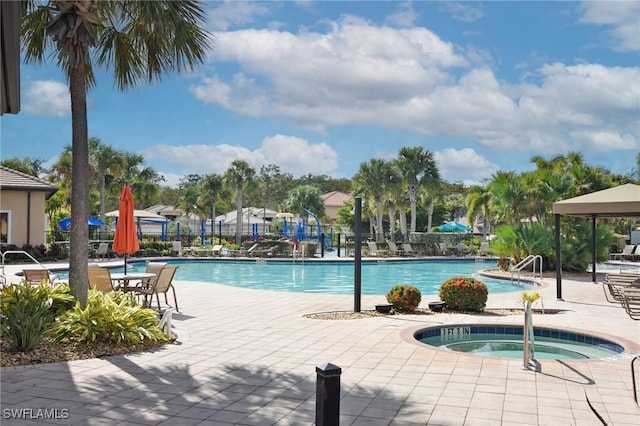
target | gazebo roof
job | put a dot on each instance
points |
(619, 201)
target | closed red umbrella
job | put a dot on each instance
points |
(125, 240)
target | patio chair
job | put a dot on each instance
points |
(162, 285)
(615, 283)
(100, 279)
(152, 268)
(102, 252)
(442, 249)
(36, 276)
(630, 300)
(627, 251)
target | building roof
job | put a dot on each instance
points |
(336, 198)
(13, 180)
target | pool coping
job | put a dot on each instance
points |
(631, 348)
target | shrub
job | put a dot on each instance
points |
(404, 298)
(504, 263)
(27, 312)
(464, 294)
(109, 317)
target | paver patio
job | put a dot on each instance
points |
(248, 357)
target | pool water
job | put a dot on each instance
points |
(333, 276)
(506, 341)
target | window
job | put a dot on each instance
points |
(5, 228)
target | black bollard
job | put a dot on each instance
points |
(338, 245)
(328, 395)
(322, 245)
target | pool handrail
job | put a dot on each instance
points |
(528, 344)
(532, 258)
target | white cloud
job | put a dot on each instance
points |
(231, 13)
(464, 165)
(293, 155)
(48, 98)
(623, 18)
(462, 11)
(358, 74)
(404, 16)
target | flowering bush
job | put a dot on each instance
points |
(504, 263)
(404, 298)
(464, 294)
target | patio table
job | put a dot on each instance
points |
(130, 276)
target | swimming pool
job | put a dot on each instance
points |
(506, 341)
(333, 276)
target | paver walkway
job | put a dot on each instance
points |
(248, 357)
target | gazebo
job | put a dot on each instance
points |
(619, 201)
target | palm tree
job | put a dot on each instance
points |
(478, 199)
(305, 199)
(239, 176)
(103, 160)
(141, 40)
(211, 190)
(372, 180)
(418, 168)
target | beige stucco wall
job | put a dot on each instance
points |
(24, 229)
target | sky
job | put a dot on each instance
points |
(319, 87)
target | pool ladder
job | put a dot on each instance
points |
(528, 347)
(531, 259)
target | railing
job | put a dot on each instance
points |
(633, 378)
(4, 255)
(528, 344)
(531, 259)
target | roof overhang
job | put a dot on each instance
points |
(619, 201)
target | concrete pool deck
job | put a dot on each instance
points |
(248, 357)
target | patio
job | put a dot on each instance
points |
(248, 357)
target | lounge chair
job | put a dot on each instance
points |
(100, 279)
(216, 250)
(484, 248)
(408, 250)
(372, 248)
(615, 283)
(176, 247)
(163, 283)
(394, 249)
(627, 251)
(630, 300)
(442, 249)
(36, 276)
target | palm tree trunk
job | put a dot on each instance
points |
(79, 239)
(392, 224)
(103, 184)
(380, 230)
(430, 215)
(239, 217)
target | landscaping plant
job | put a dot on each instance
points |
(404, 298)
(27, 312)
(464, 294)
(109, 317)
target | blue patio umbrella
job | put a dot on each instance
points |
(66, 223)
(454, 226)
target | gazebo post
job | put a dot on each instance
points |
(556, 218)
(594, 254)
